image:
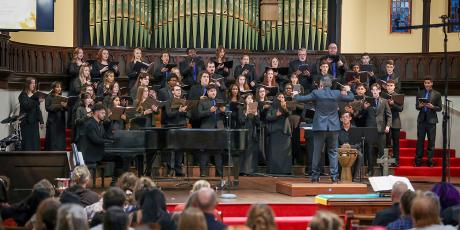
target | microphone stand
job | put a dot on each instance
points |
(227, 184)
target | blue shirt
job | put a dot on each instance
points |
(404, 222)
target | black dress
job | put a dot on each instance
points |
(30, 108)
(279, 151)
(55, 126)
(250, 158)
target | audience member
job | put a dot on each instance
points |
(46, 215)
(324, 220)
(261, 217)
(425, 212)
(153, 206)
(81, 177)
(71, 216)
(116, 219)
(192, 219)
(405, 221)
(207, 201)
(112, 197)
(392, 213)
(447, 193)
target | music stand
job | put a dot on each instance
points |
(228, 184)
(363, 134)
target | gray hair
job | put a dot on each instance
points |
(71, 217)
(326, 82)
(398, 189)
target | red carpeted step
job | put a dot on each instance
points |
(409, 143)
(424, 171)
(241, 210)
(67, 132)
(402, 135)
(410, 152)
(282, 222)
(409, 161)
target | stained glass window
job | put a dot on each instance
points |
(401, 11)
(454, 15)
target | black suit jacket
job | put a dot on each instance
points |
(174, 118)
(95, 138)
(396, 120)
(159, 78)
(165, 94)
(431, 115)
(187, 72)
(250, 76)
(388, 215)
(208, 119)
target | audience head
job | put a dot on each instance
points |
(46, 214)
(192, 219)
(345, 118)
(207, 200)
(199, 184)
(324, 220)
(114, 196)
(127, 182)
(143, 185)
(261, 93)
(71, 217)
(398, 189)
(324, 67)
(406, 202)
(447, 193)
(80, 175)
(261, 217)
(116, 218)
(425, 210)
(302, 54)
(153, 205)
(44, 185)
(173, 80)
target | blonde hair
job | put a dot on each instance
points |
(142, 185)
(325, 220)
(261, 217)
(425, 210)
(200, 184)
(192, 219)
(127, 181)
(80, 175)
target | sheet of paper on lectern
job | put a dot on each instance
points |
(385, 183)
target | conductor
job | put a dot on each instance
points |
(326, 124)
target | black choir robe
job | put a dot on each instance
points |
(30, 107)
(250, 158)
(55, 125)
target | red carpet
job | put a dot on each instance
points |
(407, 157)
(287, 216)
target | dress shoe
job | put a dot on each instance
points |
(324, 174)
(202, 175)
(180, 174)
(430, 164)
(314, 180)
(335, 180)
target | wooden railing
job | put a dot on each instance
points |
(48, 63)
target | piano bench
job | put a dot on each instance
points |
(102, 167)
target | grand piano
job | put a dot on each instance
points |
(134, 142)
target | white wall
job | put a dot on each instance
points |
(409, 122)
